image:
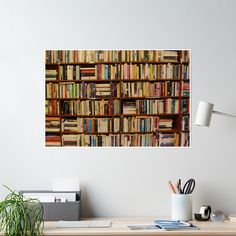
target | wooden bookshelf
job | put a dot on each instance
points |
(117, 98)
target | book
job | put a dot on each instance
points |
(175, 225)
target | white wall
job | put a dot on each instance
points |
(119, 181)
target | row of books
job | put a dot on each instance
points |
(71, 72)
(116, 72)
(185, 139)
(185, 89)
(185, 123)
(91, 107)
(84, 140)
(147, 140)
(92, 125)
(129, 90)
(52, 107)
(185, 106)
(125, 140)
(90, 56)
(130, 124)
(113, 107)
(146, 124)
(52, 90)
(154, 71)
(87, 90)
(147, 89)
(169, 106)
(97, 72)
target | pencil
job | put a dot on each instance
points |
(171, 187)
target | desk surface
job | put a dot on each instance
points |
(119, 227)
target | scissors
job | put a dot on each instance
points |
(189, 186)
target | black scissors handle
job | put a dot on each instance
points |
(189, 186)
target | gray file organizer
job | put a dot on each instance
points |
(54, 211)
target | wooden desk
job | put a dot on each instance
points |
(119, 228)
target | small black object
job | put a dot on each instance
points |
(198, 217)
(204, 214)
(189, 186)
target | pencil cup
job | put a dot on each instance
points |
(181, 207)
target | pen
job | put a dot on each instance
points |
(177, 188)
(180, 190)
(184, 223)
(171, 187)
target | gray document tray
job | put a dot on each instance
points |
(54, 211)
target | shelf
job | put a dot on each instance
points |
(153, 132)
(150, 80)
(162, 114)
(56, 132)
(89, 81)
(140, 98)
(105, 98)
(52, 81)
(117, 81)
(120, 132)
(90, 133)
(98, 116)
(121, 98)
(116, 62)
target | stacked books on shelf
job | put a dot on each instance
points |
(52, 124)
(117, 98)
(168, 139)
(51, 74)
(52, 139)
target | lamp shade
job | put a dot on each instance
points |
(204, 113)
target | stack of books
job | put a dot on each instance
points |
(51, 74)
(165, 124)
(168, 139)
(52, 124)
(53, 139)
(129, 107)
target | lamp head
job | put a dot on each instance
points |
(204, 113)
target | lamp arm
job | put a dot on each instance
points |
(223, 114)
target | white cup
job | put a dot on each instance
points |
(181, 207)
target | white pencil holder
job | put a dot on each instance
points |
(181, 207)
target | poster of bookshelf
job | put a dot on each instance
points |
(117, 98)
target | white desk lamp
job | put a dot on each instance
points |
(204, 113)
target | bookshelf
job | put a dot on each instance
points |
(117, 98)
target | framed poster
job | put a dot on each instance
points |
(118, 98)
